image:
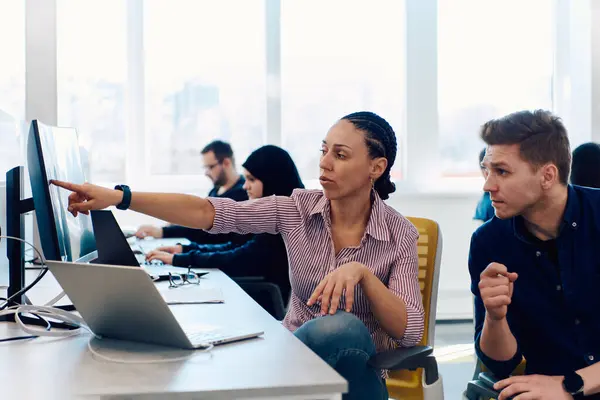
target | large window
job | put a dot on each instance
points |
(204, 79)
(91, 58)
(494, 57)
(12, 82)
(337, 57)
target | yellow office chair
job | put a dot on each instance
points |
(414, 373)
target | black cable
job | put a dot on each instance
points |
(18, 338)
(26, 288)
(15, 338)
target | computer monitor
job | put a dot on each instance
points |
(53, 153)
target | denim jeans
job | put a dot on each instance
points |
(343, 341)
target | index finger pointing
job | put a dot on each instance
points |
(68, 185)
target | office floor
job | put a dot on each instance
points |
(455, 355)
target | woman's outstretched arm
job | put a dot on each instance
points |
(180, 209)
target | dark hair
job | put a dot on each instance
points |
(274, 167)
(585, 169)
(221, 149)
(541, 136)
(482, 155)
(381, 142)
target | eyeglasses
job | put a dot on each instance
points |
(176, 280)
(210, 167)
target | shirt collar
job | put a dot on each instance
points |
(376, 227)
(571, 216)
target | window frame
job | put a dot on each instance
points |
(576, 89)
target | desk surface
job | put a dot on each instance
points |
(274, 366)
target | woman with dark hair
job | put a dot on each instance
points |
(585, 167)
(353, 259)
(268, 171)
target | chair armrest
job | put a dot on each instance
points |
(408, 358)
(483, 387)
(477, 389)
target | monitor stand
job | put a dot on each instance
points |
(16, 208)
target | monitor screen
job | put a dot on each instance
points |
(53, 153)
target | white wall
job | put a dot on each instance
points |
(454, 213)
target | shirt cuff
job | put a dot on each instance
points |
(415, 325)
(169, 231)
(225, 215)
(182, 260)
(186, 248)
(501, 369)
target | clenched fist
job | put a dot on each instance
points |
(496, 289)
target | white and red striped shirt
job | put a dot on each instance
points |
(388, 248)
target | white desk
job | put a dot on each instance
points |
(275, 366)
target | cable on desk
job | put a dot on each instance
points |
(43, 272)
(15, 338)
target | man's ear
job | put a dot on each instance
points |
(227, 162)
(549, 175)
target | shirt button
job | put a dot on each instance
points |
(591, 357)
(538, 253)
(558, 287)
(574, 224)
(577, 322)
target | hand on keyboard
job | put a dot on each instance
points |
(160, 257)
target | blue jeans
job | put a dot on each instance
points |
(343, 341)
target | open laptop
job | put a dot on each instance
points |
(115, 249)
(124, 303)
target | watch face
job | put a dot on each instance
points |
(573, 383)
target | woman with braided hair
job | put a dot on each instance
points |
(353, 259)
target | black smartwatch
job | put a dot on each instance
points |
(126, 202)
(573, 384)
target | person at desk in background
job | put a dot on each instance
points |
(534, 268)
(484, 211)
(585, 167)
(269, 171)
(353, 259)
(219, 167)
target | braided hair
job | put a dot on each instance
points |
(381, 142)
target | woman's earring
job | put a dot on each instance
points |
(372, 183)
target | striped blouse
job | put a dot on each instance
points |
(388, 248)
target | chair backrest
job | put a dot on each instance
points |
(429, 247)
(408, 384)
(268, 295)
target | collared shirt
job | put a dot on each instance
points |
(388, 248)
(555, 309)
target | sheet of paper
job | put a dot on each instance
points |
(192, 294)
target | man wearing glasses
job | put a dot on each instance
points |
(219, 167)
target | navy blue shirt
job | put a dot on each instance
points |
(555, 308)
